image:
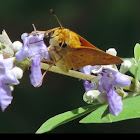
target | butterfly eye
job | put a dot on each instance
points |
(46, 39)
(63, 45)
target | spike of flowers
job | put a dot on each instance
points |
(34, 48)
(7, 78)
(108, 79)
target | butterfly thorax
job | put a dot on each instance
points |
(65, 38)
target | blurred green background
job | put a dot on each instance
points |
(104, 23)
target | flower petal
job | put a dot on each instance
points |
(22, 54)
(89, 85)
(9, 78)
(100, 86)
(87, 69)
(7, 63)
(121, 80)
(37, 45)
(104, 82)
(109, 78)
(44, 52)
(6, 74)
(36, 75)
(33, 45)
(115, 102)
(5, 96)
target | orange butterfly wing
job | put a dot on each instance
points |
(87, 54)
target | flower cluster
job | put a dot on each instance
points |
(9, 72)
(34, 48)
(9, 76)
(108, 79)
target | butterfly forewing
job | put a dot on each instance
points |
(83, 56)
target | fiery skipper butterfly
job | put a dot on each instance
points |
(71, 51)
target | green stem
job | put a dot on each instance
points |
(136, 89)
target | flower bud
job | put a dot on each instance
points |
(111, 51)
(102, 98)
(18, 72)
(16, 46)
(125, 66)
(91, 95)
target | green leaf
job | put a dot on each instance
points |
(65, 117)
(137, 52)
(131, 109)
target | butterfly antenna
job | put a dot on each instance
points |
(52, 11)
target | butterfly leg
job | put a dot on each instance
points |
(47, 61)
(54, 62)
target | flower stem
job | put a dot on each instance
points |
(71, 73)
(136, 89)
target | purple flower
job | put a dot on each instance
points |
(89, 85)
(108, 79)
(34, 48)
(7, 77)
